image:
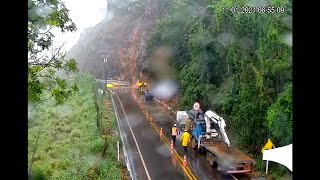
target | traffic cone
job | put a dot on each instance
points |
(185, 161)
(161, 133)
(171, 145)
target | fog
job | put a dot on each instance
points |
(85, 14)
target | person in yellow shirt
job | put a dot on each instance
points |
(185, 140)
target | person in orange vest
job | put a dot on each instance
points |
(174, 133)
(185, 139)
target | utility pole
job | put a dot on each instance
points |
(105, 60)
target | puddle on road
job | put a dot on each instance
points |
(156, 114)
(163, 150)
(149, 134)
(134, 119)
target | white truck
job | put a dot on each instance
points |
(209, 135)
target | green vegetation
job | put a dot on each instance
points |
(45, 59)
(236, 63)
(64, 141)
(72, 139)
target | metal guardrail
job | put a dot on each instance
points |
(114, 82)
(123, 83)
(120, 129)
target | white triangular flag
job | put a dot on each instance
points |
(281, 155)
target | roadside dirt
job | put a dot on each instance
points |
(106, 132)
(124, 171)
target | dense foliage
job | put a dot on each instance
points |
(236, 63)
(44, 57)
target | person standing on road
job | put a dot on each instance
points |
(185, 139)
(174, 133)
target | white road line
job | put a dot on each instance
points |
(134, 138)
(166, 113)
(157, 101)
(124, 147)
(233, 177)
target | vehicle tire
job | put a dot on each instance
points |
(211, 158)
(193, 143)
(202, 150)
(207, 155)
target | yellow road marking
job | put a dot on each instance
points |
(187, 170)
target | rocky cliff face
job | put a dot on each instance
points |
(121, 37)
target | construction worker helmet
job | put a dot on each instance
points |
(174, 125)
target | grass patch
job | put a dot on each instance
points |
(64, 142)
(275, 171)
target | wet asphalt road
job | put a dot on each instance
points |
(156, 161)
(159, 162)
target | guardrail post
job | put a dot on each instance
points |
(118, 144)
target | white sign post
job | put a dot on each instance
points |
(118, 151)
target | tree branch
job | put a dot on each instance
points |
(37, 59)
(55, 53)
(46, 31)
(40, 103)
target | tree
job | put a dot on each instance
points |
(44, 58)
(279, 117)
(237, 63)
